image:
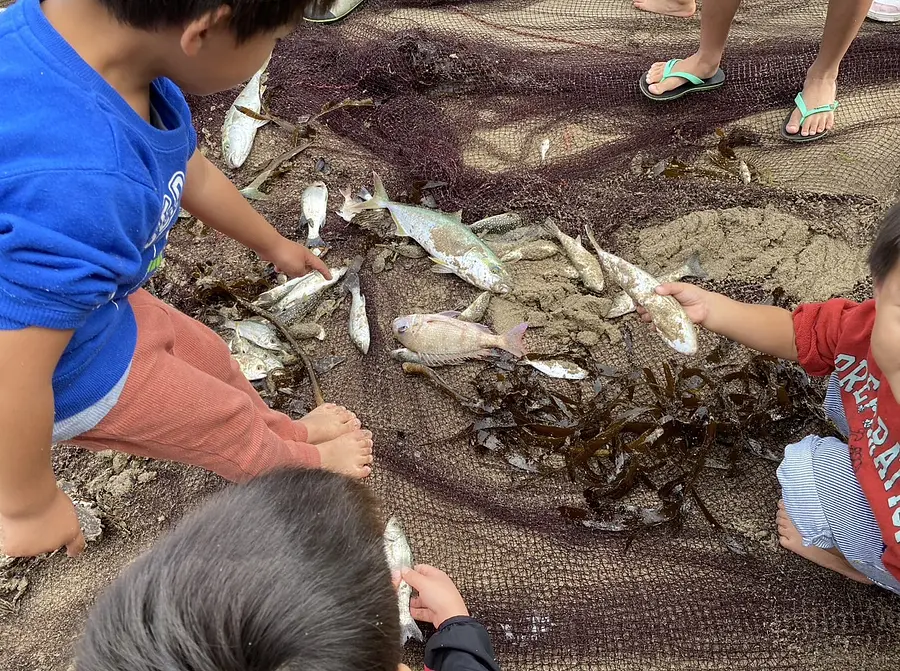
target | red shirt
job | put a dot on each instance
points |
(834, 337)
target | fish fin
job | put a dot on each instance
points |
(378, 202)
(590, 235)
(692, 265)
(578, 240)
(440, 267)
(457, 216)
(315, 242)
(514, 340)
(399, 231)
(433, 359)
(453, 314)
(411, 631)
(380, 193)
(254, 194)
(551, 226)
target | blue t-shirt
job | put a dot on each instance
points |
(88, 193)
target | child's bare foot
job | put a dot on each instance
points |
(327, 422)
(694, 65)
(817, 91)
(790, 539)
(680, 8)
(349, 454)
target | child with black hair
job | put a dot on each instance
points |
(285, 573)
(97, 154)
(841, 501)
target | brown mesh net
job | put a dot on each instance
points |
(465, 94)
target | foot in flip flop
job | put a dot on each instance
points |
(327, 422)
(681, 8)
(675, 78)
(813, 114)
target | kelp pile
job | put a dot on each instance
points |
(643, 434)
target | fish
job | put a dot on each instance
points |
(533, 250)
(239, 130)
(475, 312)
(307, 330)
(259, 333)
(589, 269)
(326, 364)
(557, 368)
(672, 323)
(359, 323)
(255, 362)
(314, 203)
(744, 171)
(453, 247)
(623, 304)
(251, 191)
(499, 223)
(298, 290)
(545, 147)
(519, 235)
(442, 339)
(399, 557)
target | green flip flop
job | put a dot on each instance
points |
(693, 84)
(804, 115)
(329, 12)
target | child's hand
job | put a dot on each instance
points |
(45, 531)
(438, 598)
(693, 299)
(295, 260)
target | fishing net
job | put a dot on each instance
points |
(465, 94)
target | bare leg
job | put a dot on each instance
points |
(714, 28)
(680, 8)
(790, 539)
(841, 27)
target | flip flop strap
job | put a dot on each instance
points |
(806, 113)
(667, 73)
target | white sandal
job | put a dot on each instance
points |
(890, 16)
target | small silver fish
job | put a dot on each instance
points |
(585, 263)
(454, 248)
(545, 147)
(298, 290)
(442, 339)
(533, 250)
(314, 203)
(399, 557)
(559, 369)
(499, 223)
(623, 304)
(519, 235)
(239, 130)
(259, 333)
(359, 323)
(475, 312)
(254, 361)
(671, 321)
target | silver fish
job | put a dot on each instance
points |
(298, 290)
(314, 203)
(499, 223)
(557, 368)
(454, 248)
(671, 321)
(475, 312)
(359, 323)
(254, 361)
(585, 263)
(533, 250)
(399, 557)
(259, 333)
(442, 339)
(623, 304)
(239, 130)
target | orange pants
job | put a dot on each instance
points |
(186, 400)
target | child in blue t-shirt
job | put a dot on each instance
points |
(97, 155)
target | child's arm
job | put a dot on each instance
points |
(765, 328)
(461, 643)
(211, 197)
(35, 516)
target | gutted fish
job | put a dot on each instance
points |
(671, 321)
(442, 339)
(399, 557)
(623, 304)
(239, 130)
(585, 263)
(453, 247)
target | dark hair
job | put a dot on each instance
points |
(286, 573)
(885, 251)
(248, 17)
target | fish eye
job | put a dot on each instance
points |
(402, 329)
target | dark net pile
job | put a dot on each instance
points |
(465, 92)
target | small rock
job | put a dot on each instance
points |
(146, 476)
(119, 462)
(588, 338)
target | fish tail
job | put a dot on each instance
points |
(692, 265)
(551, 226)
(514, 340)
(378, 201)
(314, 242)
(411, 631)
(254, 194)
(597, 249)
